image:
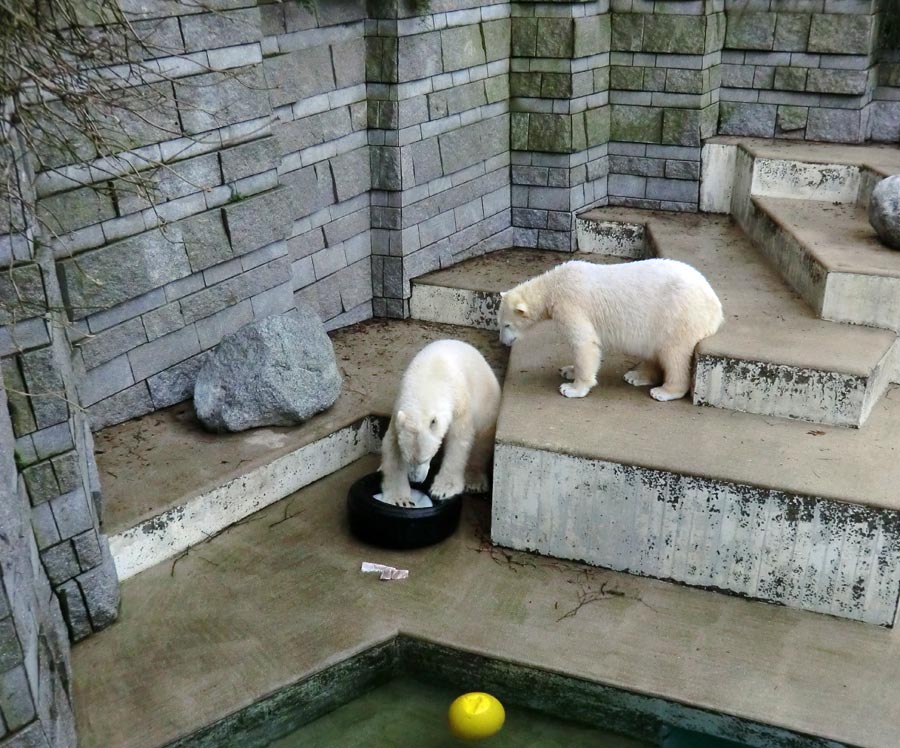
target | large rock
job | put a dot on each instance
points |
(277, 371)
(884, 211)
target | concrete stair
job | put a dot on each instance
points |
(829, 253)
(744, 497)
(772, 357)
(759, 506)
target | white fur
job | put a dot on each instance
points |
(657, 310)
(449, 395)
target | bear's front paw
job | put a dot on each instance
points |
(567, 373)
(446, 488)
(398, 499)
(571, 390)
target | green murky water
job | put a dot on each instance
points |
(405, 712)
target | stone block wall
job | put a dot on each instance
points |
(35, 705)
(559, 84)
(664, 95)
(438, 117)
(156, 267)
(800, 69)
(314, 61)
(45, 438)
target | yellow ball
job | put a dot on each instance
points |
(474, 716)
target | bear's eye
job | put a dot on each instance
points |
(434, 422)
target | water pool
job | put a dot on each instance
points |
(405, 711)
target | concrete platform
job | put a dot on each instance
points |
(168, 484)
(767, 508)
(772, 356)
(280, 597)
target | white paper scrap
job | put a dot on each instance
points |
(388, 573)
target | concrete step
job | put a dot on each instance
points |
(169, 485)
(829, 253)
(788, 168)
(804, 204)
(765, 508)
(772, 356)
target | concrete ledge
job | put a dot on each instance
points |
(830, 255)
(454, 306)
(801, 551)
(772, 357)
(772, 389)
(202, 516)
(275, 610)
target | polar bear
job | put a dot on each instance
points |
(657, 310)
(449, 395)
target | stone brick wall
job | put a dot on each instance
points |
(314, 66)
(54, 502)
(438, 116)
(800, 69)
(664, 94)
(559, 82)
(153, 281)
(35, 705)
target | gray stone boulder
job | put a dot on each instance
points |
(277, 371)
(884, 211)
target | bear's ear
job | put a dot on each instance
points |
(522, 309)
(503, 294)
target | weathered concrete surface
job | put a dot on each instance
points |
(276, 599)
(885, 159)
(772, 356)
(468, 294)
(832, 256)
(168, 482)
(665, 490)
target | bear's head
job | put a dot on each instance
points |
(515, 316)
(419, 439)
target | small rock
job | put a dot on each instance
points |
(884, 211)
(277, 371)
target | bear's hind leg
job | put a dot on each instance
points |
(479, 462)
(646, 372)
(676, 364)
(451, 478)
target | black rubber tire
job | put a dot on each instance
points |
(396, 527)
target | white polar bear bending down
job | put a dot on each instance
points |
(450, 395)
(655, 309)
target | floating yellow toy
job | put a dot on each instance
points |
(476, 715)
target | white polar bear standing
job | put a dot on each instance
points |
(657, 310)
(449, 394)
